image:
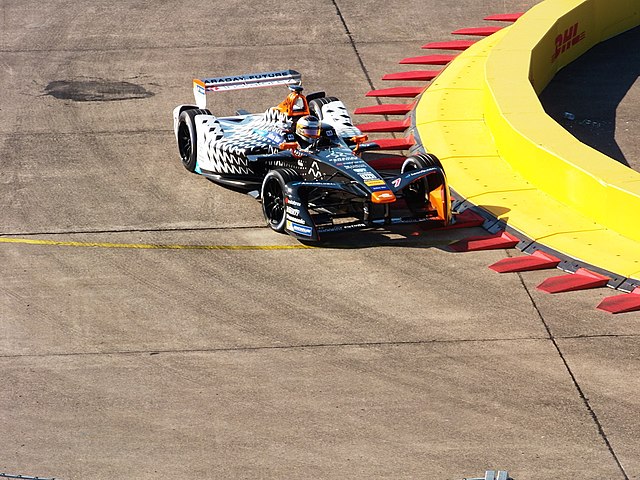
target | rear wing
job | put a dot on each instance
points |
(237, 82)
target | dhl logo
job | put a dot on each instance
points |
(567, 40)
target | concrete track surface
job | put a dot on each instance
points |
(381, 356)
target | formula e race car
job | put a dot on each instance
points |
(302, 158)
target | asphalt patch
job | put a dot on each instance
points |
(96, 90)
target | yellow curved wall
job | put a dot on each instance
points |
(483, 118)
(537, 147)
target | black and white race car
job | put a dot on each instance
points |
(309, 187)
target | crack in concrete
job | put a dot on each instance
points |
(412, 41)
(133, 230)
(90, 132)
(598, 335)
(353, 44)
(358, 56)
(576, 384)
(278, 347)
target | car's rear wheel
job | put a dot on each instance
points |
(187, 139)
(315, 105)
(273, 196)
(416, 194)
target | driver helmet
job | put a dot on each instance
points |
(308, 127)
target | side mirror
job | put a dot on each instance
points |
(363, 147)
(289, 146)
(293, 147)
(359, 140)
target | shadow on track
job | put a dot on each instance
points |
(591, 89)
(417, 235)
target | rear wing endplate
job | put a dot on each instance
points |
(238, 82)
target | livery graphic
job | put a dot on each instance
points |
(302, 159)
(566, 40)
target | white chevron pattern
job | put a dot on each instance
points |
(223, 144)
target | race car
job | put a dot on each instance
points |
(303, 160)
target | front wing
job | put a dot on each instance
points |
(300, 223)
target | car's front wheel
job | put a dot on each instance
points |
(416, 194)
(273, 196)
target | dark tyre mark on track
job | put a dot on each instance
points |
(98, 90)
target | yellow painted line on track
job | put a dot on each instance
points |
(150, 246)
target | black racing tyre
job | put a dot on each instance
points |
(187, 140)
(315, 105)
(425, 160)
(416, 193)
(273, 195)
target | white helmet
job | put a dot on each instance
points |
(308, 127)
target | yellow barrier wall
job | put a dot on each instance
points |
(547, 38)
(502, 153)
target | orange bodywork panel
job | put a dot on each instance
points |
(439, 199)
(383, 196)
(295, 105)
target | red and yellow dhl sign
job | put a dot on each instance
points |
(566, 40)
